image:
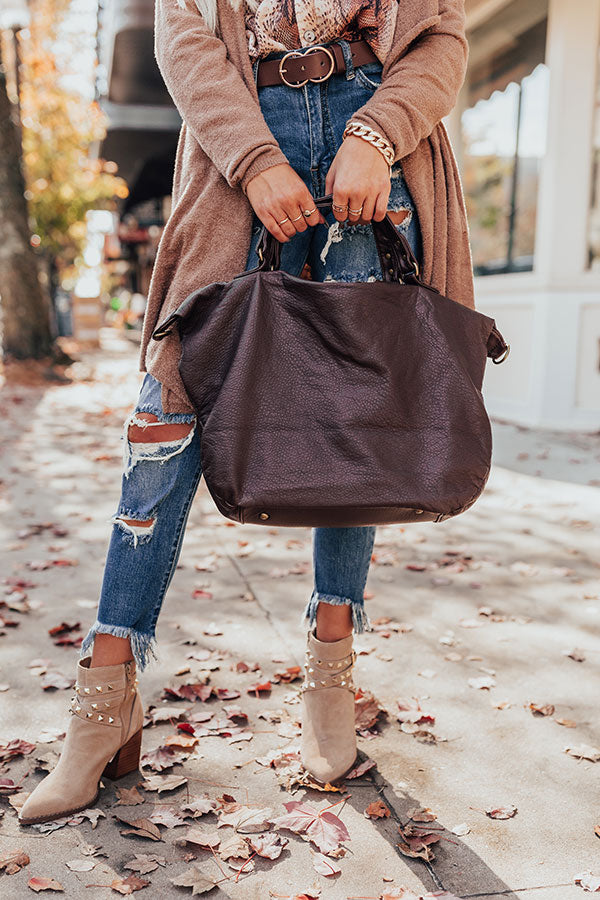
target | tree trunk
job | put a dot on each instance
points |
(25, 305)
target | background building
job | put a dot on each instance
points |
(526, 132)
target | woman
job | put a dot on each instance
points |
(281, 102)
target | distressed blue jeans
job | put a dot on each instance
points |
(160, 477)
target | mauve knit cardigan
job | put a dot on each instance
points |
(224, 142)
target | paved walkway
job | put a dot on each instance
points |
(483, 620)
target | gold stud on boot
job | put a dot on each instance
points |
(95, 745)
(328, 732)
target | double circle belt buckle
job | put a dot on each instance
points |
(297, 53)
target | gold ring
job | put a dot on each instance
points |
(287, 219)
(309, 212)
(339, 208)
(355, 212)
(297, 217)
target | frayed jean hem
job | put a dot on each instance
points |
(360, 619)
(143, 646)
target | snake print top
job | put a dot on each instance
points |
(273, 26)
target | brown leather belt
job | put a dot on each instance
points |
(315, 63)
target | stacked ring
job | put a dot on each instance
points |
(355, 212)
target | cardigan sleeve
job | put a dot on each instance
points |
(210, 94)
(421, 85)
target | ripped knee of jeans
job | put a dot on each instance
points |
(138, 530)
(401, 216)
(146, 437)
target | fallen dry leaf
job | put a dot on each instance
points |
(80, 865)
(181, 741)
(584, 751)
(367, 711)
(501, 812)
(197, 880)
(157, 714)
(141, 827)
(268, 845)
(160, 759)
(44, 884)
(200, 806)
(233, 846)
(206, 839)
(361, 769)
(162, 783)
(167, 816)
(285, 676)
(260, 688)
(421, 814)
(324, 828)
(56, 681)
(416, 843)
(246, 819)
(537, 710)
(129, 796)
(15, 748)
(588, 882)
(142, 863)
(128, 885)
(377, 810)
(325, 866)
(191, 691)
(13, 861)
(483, 683)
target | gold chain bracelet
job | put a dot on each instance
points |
(368, 134)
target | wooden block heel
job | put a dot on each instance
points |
(126, 759)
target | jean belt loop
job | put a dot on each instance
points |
(350, 73)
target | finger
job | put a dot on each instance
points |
(340, 204)
(284, 221)
(308, 205)
(355, 207)
(368, 209)
(271, 225)
(297, 218)
(381, 207)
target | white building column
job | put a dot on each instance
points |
(565, 184)
(551, 317)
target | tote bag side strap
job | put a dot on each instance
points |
(166, 327)
(497, 348)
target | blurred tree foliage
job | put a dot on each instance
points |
(60, 121)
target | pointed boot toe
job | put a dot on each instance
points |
(328, 730)
(103, 737)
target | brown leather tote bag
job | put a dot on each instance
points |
(336, 404)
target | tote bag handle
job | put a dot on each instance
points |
(395, 255)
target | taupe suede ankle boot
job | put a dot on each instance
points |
(328, 733)
(103, 738)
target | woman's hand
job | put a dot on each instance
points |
(359, 177)
(279, 194)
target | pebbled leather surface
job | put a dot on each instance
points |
(336, 403)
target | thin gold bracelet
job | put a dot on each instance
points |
(373, 137)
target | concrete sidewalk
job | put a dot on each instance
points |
(489, 613)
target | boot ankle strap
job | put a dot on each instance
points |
(320, 674)
(102, 702)
(326, 664)
(105, 712)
